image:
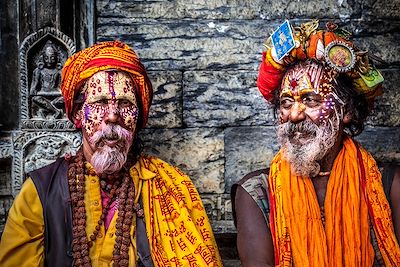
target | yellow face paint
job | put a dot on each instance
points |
(106, 92)
(311, 85)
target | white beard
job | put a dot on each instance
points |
(108, 159)
(305, 143)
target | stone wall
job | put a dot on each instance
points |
(207, 115)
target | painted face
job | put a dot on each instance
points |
(109, 98)
(307, 91)
(310, 121)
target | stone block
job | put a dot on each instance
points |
(166, 109)
(5, 205)
(382, 142)
(197, 152)
(387, 112)
(219, 210)
(221, 10)
(383, 9)
(213, 45)
(190, 44)
(248, 149)
(384, 46)
(223, 98)
(371, 25)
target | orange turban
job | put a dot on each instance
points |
(320, 45)
(102, 56)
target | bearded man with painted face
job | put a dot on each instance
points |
(321, 202)
(109, 205)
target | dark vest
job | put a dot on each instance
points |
(52, 186)
(51, 183)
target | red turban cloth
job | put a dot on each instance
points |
(103, 56)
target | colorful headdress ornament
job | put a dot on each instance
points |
(331, 47)
(103, 56)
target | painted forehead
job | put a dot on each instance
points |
(110, 85)
(308, 77)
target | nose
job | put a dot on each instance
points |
(112, 115)
(297, 113)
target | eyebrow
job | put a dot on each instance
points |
(310, 91)
(309, 94)
(287, 94)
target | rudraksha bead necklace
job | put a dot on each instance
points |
(125, 194)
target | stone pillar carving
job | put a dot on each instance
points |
(46, 133)
(37, 37)
(42, 55)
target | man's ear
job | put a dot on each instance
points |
(347, 118)
(77, 118)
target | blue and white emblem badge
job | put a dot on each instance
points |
(283, 40)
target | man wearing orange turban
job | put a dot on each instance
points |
(109, 205)
(321, 202)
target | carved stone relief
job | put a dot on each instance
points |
(42, 56)
(6, 157)
(218, 208)
(5, 172)
(33, 150)
(45, 95)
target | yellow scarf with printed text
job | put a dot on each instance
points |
(177, 225)
(354, 199)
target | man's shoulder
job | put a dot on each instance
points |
(254, 176)
(253, 181)
(49, 167)
(254, 184)
(44, 176)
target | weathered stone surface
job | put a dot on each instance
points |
(371, 26)
(223, 98)
(232, 263)
(382, 142)
(382, 9)
(9, 34)
(166, 109)
(248, 149)
(191, 44)
(227, 248)
(219, 210)
(5, 205)
(5, 177)
(213, 45)
(198, 152)
(222, 9)
(385, 46)
(387, 106)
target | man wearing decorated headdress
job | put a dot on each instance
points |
(108, 205)
(321, 202)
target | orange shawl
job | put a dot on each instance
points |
(354, 198)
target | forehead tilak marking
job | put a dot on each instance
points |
(110, 80)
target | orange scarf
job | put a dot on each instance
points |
(354, 198)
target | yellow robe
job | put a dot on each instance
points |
(176, 223)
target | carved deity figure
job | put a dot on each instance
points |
(46, 100)
(46, 150)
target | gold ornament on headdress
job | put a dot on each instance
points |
(331, 47)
